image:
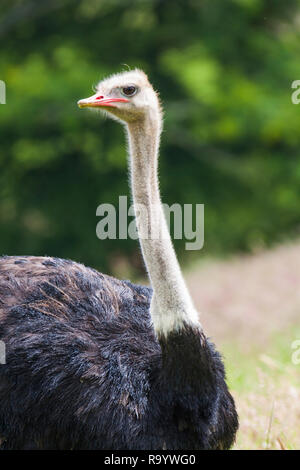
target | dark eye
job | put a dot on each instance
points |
(129, 90)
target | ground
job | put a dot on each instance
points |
(250, 307)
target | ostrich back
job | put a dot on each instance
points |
(84, 369)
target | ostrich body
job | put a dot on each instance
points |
(97, 363)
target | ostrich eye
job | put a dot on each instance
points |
(129, 90)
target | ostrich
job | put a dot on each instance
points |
(93, 362)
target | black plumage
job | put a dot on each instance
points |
(84, 369)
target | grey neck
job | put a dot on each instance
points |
(171, 305)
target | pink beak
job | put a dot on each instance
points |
(98, 101)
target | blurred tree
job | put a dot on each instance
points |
(224, 71)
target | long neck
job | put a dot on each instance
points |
(171, 305)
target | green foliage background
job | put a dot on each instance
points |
(224, 71)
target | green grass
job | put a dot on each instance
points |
(266, 387)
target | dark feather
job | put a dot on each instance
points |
(84, 369)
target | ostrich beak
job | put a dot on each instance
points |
(99, 100)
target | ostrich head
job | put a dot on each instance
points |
(126, 96)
